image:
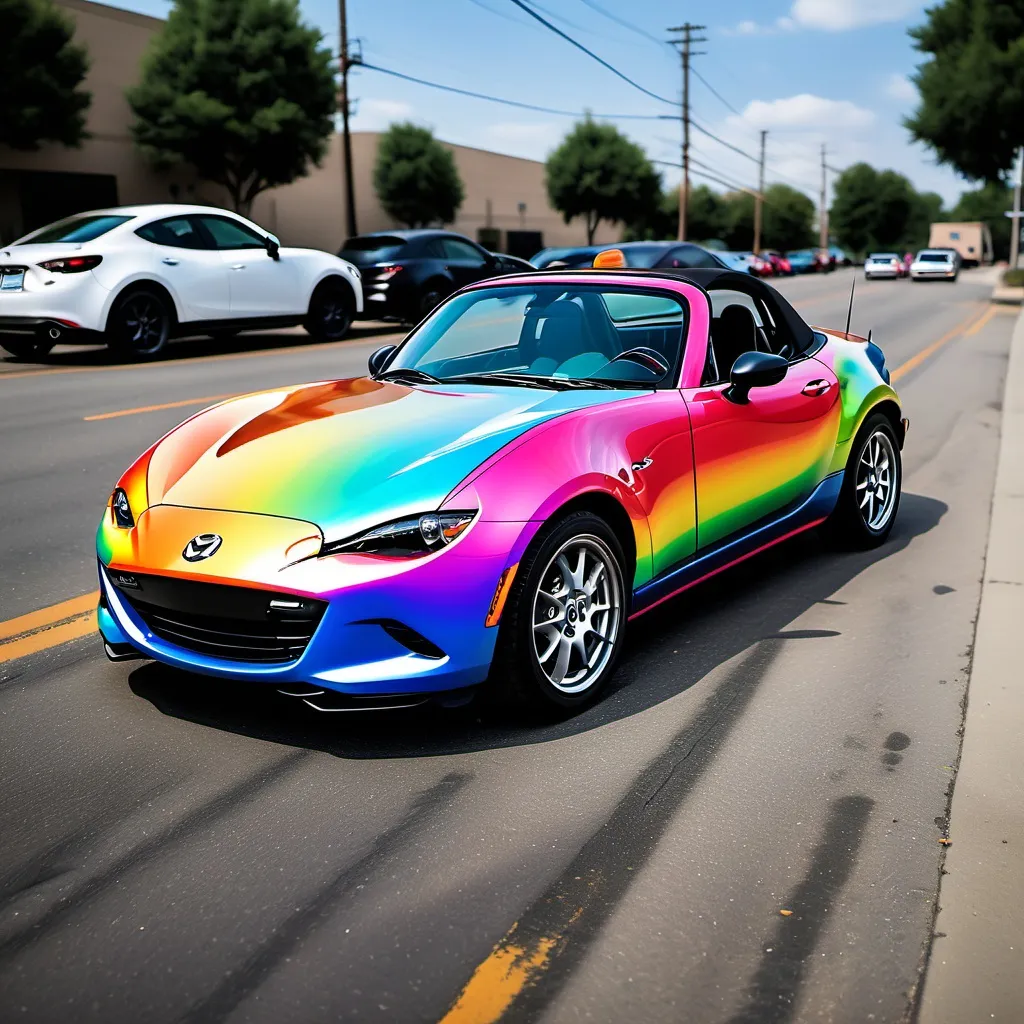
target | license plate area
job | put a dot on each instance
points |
(12, 280)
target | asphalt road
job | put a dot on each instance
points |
(780, 739)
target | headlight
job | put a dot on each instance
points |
(121, 510)
(405, 538)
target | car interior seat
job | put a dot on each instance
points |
(733, 332)
(564, 335)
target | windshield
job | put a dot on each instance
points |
(368, 249)
(934, 257)
(884, 257)
(549, 333)
(76, 229)
(643, 256)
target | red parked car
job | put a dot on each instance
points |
(780, 265)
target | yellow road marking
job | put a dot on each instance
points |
(155, 408)
(49, 616)
(81, 625)
(969, 326)
(991, 312)
(281, 350)
(497, 981)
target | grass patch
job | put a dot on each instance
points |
(1014, 278)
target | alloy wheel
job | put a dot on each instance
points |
(875, 490)
(577, 614)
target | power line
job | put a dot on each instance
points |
(590, 53)
(499, 99)
(710, 177)
(714, 92)
(625, 24)
(722, 142)
(684, 41)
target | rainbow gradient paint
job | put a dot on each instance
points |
(695, 482)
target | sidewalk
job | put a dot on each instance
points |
(976, 968)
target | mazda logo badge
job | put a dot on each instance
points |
(205, 545)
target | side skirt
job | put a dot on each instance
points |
(813, 511)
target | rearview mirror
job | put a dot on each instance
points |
(273, 246)
(379, 358)
(754, 370)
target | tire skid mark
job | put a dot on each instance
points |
(527, 969)
(77, 897)
(49, 863)
(319, 908)
(771, 996)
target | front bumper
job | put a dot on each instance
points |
(443, 598)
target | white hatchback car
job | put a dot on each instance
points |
(883, 264)
(934, 264)
(135, 276)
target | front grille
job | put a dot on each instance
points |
(234, 623)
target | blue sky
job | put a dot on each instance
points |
(808, 71)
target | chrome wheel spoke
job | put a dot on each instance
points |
(592, 580)
(562, 661)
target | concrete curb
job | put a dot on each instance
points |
(976, 968)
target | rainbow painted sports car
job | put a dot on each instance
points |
(545, 457)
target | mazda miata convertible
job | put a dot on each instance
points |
(544, 458)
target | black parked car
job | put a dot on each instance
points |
(407, 273)
(644, 255)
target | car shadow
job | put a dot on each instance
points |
(195, 346)
(668, 651)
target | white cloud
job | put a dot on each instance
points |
(806, 111)
(900, 88)
(747, 28)
(841, 15)
(785, 24)
(376, 114)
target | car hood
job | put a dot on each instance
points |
(349, 454)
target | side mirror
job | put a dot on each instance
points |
(754, 370)
(379, 358)
(273, 246)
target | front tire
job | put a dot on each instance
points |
(870, 496)
(564, 622)
(330, 312)
(29, 350)
(139, 325)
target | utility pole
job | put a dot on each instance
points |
(685, 43)
(1017, 222)
(822, 210)
(346, 137)
(759, 198)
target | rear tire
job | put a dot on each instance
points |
(330, 311)
(564, 622)
(139, 325)
(870, 496)
(28, 350)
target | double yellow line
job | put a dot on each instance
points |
(48, 627)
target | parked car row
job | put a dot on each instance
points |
(134, 277)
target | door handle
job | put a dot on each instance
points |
(238, 266)
(170, 261)
(815, 388)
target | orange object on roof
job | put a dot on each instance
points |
(609, 259)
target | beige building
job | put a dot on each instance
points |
(503, 194)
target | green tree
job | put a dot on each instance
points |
(43, 69)
(415, 177)
(872, 209)
(240, 89)
(598, 174)
(738, 227)
(705, 217)
(971, 85)
(925, 211)
(787, 217)
(988, 204)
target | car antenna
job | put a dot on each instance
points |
(849, 315)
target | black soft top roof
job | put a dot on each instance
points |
(711, 279)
